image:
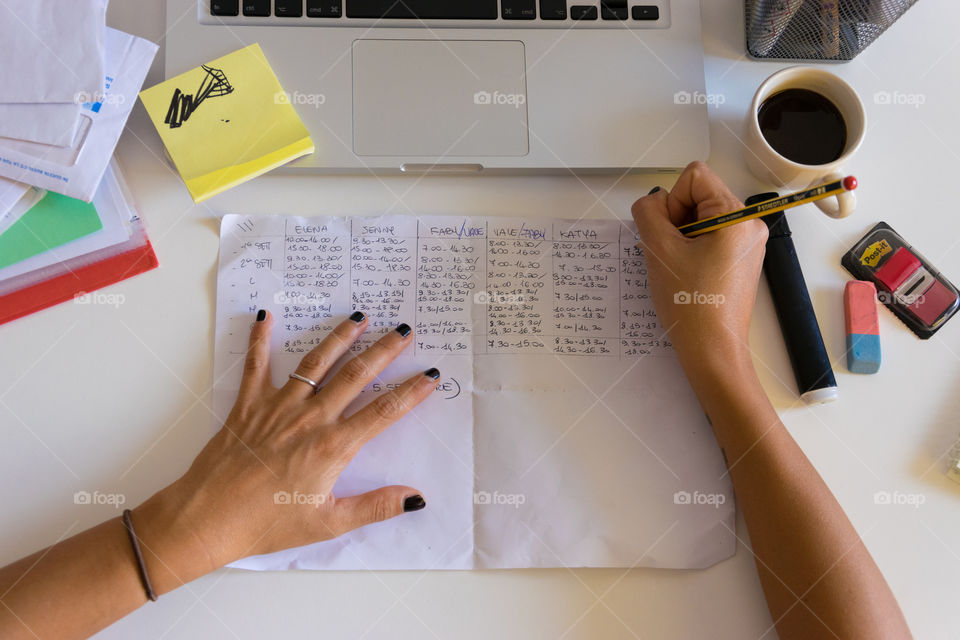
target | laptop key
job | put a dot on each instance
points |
(646, 12)
(423, 9)
(256, 8)
(518, 9)
(581, 12)
(225, 7)
(613, 9)
(288, 8)
(324, 8)
(553, 9)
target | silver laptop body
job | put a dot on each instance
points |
(470, 86)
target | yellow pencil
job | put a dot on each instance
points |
(767, 207)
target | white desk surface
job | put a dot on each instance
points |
(115, 399)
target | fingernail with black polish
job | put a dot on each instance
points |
(414, 503)
(357, 317)
(261, 315)
(404, 330)
(432, 372)
(653, 191)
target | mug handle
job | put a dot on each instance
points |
(841, 206)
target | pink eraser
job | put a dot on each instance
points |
(863, 330)
(897, 268)
(860, 308)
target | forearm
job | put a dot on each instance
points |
(84, 583)
(72, 589)
(818, 578)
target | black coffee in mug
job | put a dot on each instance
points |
(803, 126)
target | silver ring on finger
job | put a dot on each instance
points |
(312, 383)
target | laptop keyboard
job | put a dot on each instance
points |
(442, 13)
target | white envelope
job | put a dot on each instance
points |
(52, 50)
(51, 123)
(76, 170)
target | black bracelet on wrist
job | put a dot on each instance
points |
(144, 578)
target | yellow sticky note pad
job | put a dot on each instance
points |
(226, 122)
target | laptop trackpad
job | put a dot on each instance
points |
(439, 98)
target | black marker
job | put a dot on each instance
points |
(798, 322)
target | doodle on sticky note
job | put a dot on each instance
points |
(182, 105)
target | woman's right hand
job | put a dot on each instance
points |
(703, 288)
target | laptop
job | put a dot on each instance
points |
(472, 86)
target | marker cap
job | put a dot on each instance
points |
(820, 396)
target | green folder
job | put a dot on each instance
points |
(52, 222)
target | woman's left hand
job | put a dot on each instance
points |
(264, 482)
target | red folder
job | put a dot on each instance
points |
(77, 282)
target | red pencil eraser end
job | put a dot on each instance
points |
(849, 183)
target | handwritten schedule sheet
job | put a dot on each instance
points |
(562, 431)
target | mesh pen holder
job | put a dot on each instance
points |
(828, 30)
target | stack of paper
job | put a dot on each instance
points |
(54, 248)
(67, 86)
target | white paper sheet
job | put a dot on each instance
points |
(54, 124)
(562, 433)
(53, 50)
(76, 170)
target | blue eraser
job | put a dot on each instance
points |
(863, 353)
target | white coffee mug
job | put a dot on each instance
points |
(770, 166)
